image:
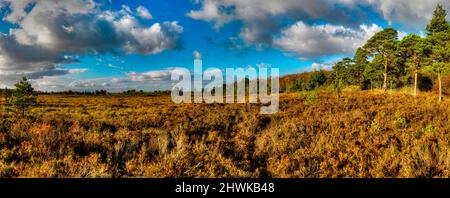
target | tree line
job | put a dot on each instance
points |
(387, 62)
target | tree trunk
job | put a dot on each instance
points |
(440, 87)
(415, 84)
(338, 89)
(385, 73)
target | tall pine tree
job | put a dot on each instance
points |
(438, 23)
(415, 49)
(384, 43)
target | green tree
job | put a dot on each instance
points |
(23, 96)
(6, 93)
(415, 50)
(373, 73)
(440, 56)
(318, 79)
(360, 62)
(384, 43)
(438, 23)
(342, 74)
(299, 85)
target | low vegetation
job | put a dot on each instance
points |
(364, 134)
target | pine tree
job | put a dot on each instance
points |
(415, 49)
(384, 43)
(360, 62)
(342, 74)
(438, 23)
(23, 96)
(440, 56)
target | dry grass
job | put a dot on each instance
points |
(365, 134)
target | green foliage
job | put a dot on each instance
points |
(428, 129)
(384, 43)
(300, 85)
(23, 96)
(343, 72)
(373, 73)
(360, 62)
(318, 79)
(415, 50)
(440, 52)
(309, 97)
(375, 127)
(385, 62)
(399, 121)
(438, 23)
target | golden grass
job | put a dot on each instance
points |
(364, 134)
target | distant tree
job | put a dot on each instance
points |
(7, 94)
(318, 79)
(101, 92)
(415, 49)
(299, 85)
(295, 86)
(23, 96)
(438, 23)
(384, 43)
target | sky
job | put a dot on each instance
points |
(117, 45)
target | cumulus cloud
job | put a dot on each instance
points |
(119, 84)
(260, 16)
(321, 40)
(46, 32)
(8, 78)
(77, 71)
(73, 26)
(149, 76)
(143, 12)
(148, 81)
(410, 14)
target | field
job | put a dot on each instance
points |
(364, 134)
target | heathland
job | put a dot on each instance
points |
(383, 113)
(363, 134)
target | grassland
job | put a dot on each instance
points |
(364, 134)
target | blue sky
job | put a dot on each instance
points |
(88, 45)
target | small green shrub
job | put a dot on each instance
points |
(399, 121)
(309, 97)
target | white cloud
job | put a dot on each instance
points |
(65, 83)
(410, 14)
(77, 71)
(211, 12)
(322, 40)
(45, 33)
(8, 78)
(322, 65)
(86, 28)
(197, 55)
(143, 12)
(259, 16)
(157, 75)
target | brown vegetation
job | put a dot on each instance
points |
(365, 134)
